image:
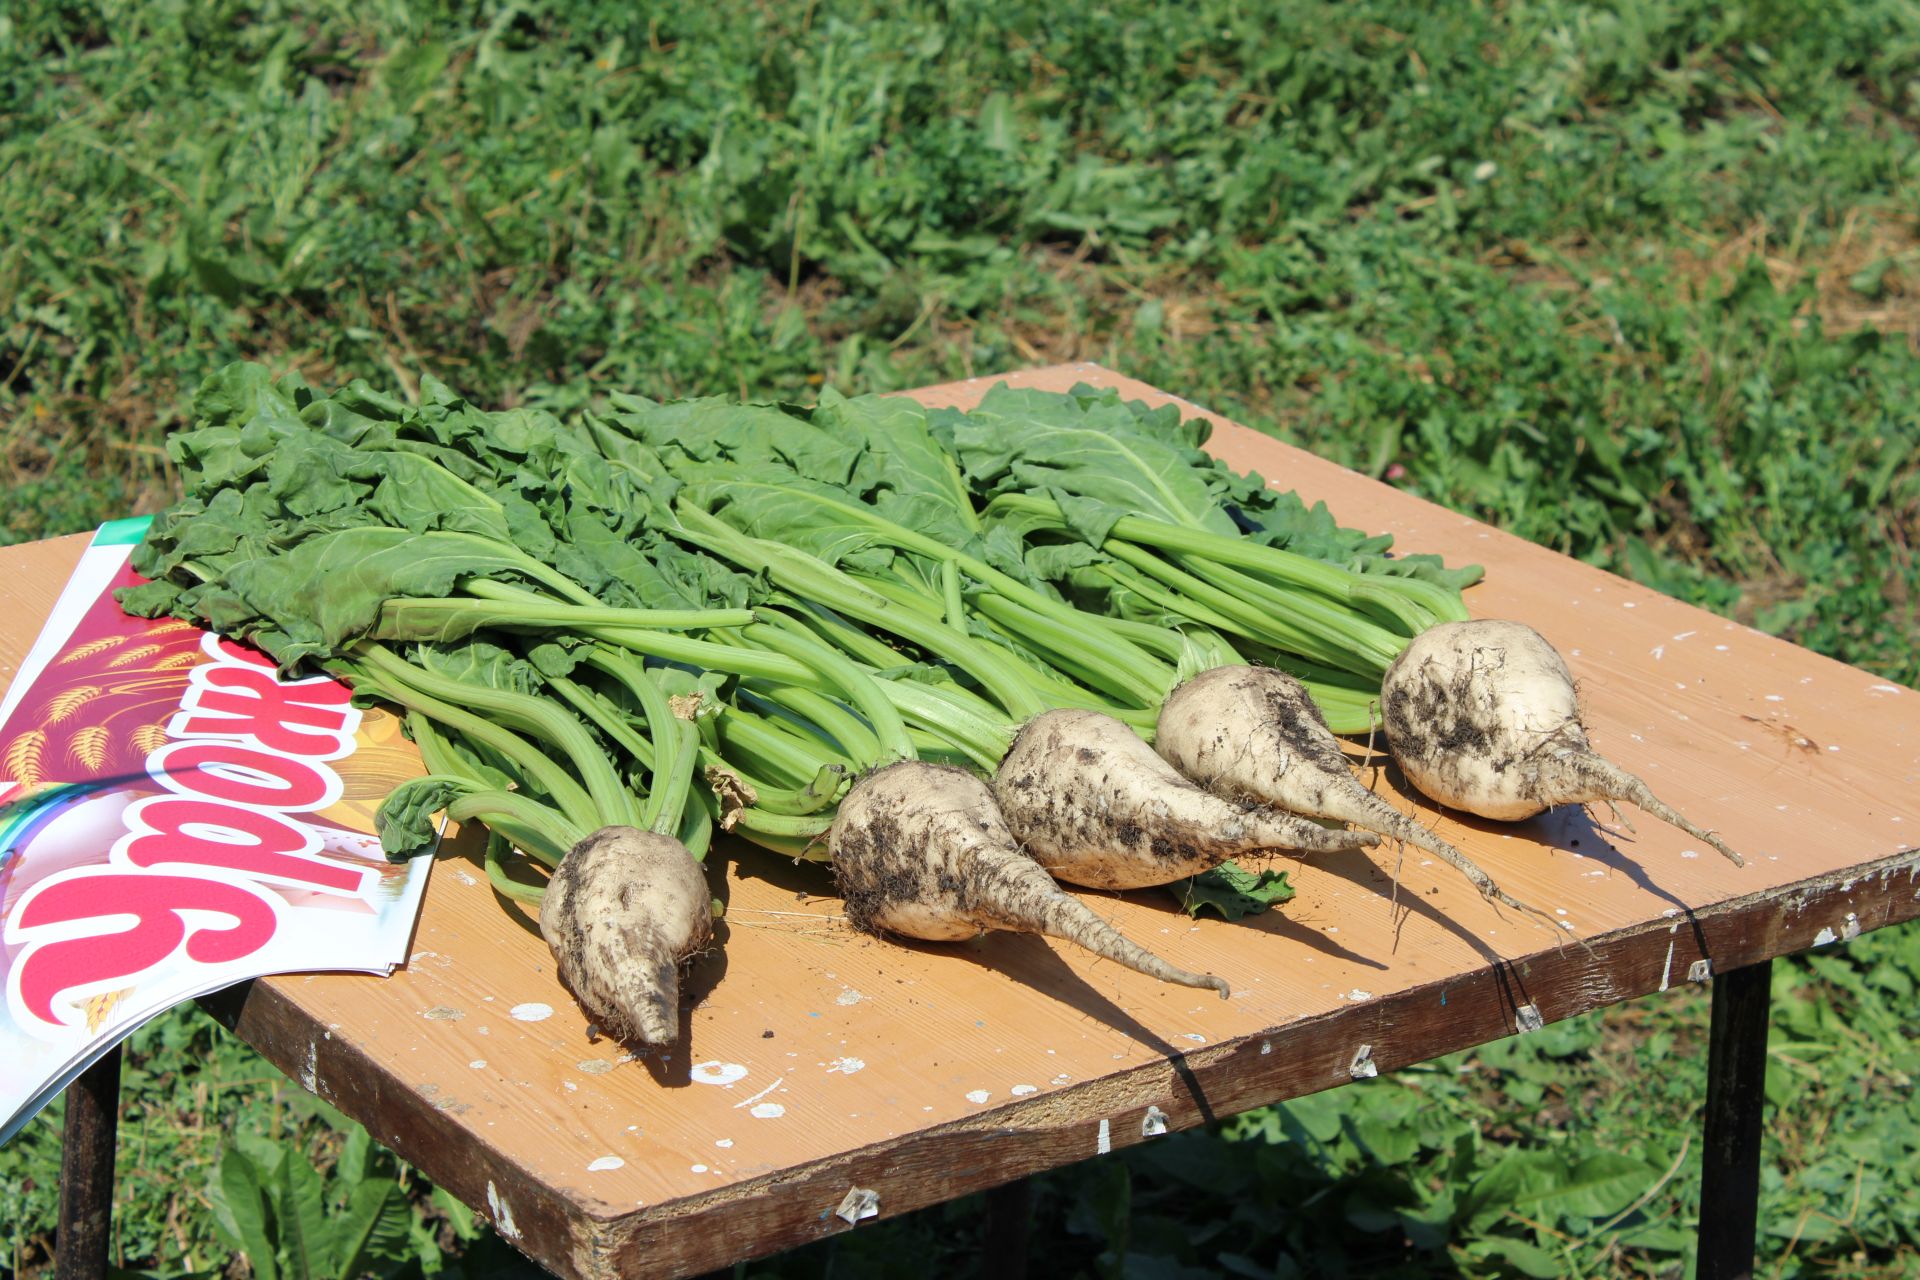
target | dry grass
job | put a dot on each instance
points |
(1867, 275)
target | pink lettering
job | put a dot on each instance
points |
(231, 701)
(253, 842)
(157, 903)
(235, 774)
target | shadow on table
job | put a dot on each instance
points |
(1568, 828)
(1274, 921)
(1023, 958)
(469, 846)
(697, 981)
(1026, 958)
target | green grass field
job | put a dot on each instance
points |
(1639, 281)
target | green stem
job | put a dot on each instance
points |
(1297, 570)
(533, 568)
(455, 617)
(786, 756)
(956, 717)
(531, 825)
(810, 826)
(675, 783)
(1125, 577)
(797, 848)
(1314, 620)
(862, 646)
(671, 757)
(533, 764)
(1085, 655)
(706, 654)
(1189, 649)
(604, 716)
(906, 539)
(816, 580)
(821, 793)
(1049, 684)
(1249, 618)
(696, 830)
(1434, 602)
(1354, 629)
(845, 729)
(950, 590)
(1415, 604)
(530, 713)
(503, 884)
(536, 828)
(853, 681)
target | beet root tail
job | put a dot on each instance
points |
(1366, 810)
(1095, 806)
(922, 850)
(1587, 776)
(1024, 897)
(1254, 733)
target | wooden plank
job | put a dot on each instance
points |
(819, 1061)
(87, 1142)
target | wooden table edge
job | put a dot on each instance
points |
(795, 1206)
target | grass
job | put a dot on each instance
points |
(1639, 281)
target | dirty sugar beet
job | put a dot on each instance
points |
(1093, 804)
(1483, 716)
(920, 850)
(1255, 733)
(624, 909)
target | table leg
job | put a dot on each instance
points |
(1736, 1100)
(1006, 1232)
(86, 1171)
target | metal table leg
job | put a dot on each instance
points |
(86, 1171)
(1007, 1231)
(1736, 1100)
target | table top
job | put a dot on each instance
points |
(817, 1061)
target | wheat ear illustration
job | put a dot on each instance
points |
(64, 703)
(89, 649)
(88, 746)
(21, 760)
(135, 654)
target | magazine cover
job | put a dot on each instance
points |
(174, 818)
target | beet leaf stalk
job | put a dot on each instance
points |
(625, 904)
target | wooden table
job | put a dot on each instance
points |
(828, 1077)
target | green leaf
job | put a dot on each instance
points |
(242, 1214)
(356, 1157)
(1600, 1185)
(1027, 441)
(308, 1247)
(1522, 1255)
(1542, 1185)
(464, 1221)
(314, 599)
(1517, 1178)
(375, 1227)
(405, 819)
(1383, 1126)
(1232, 892)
